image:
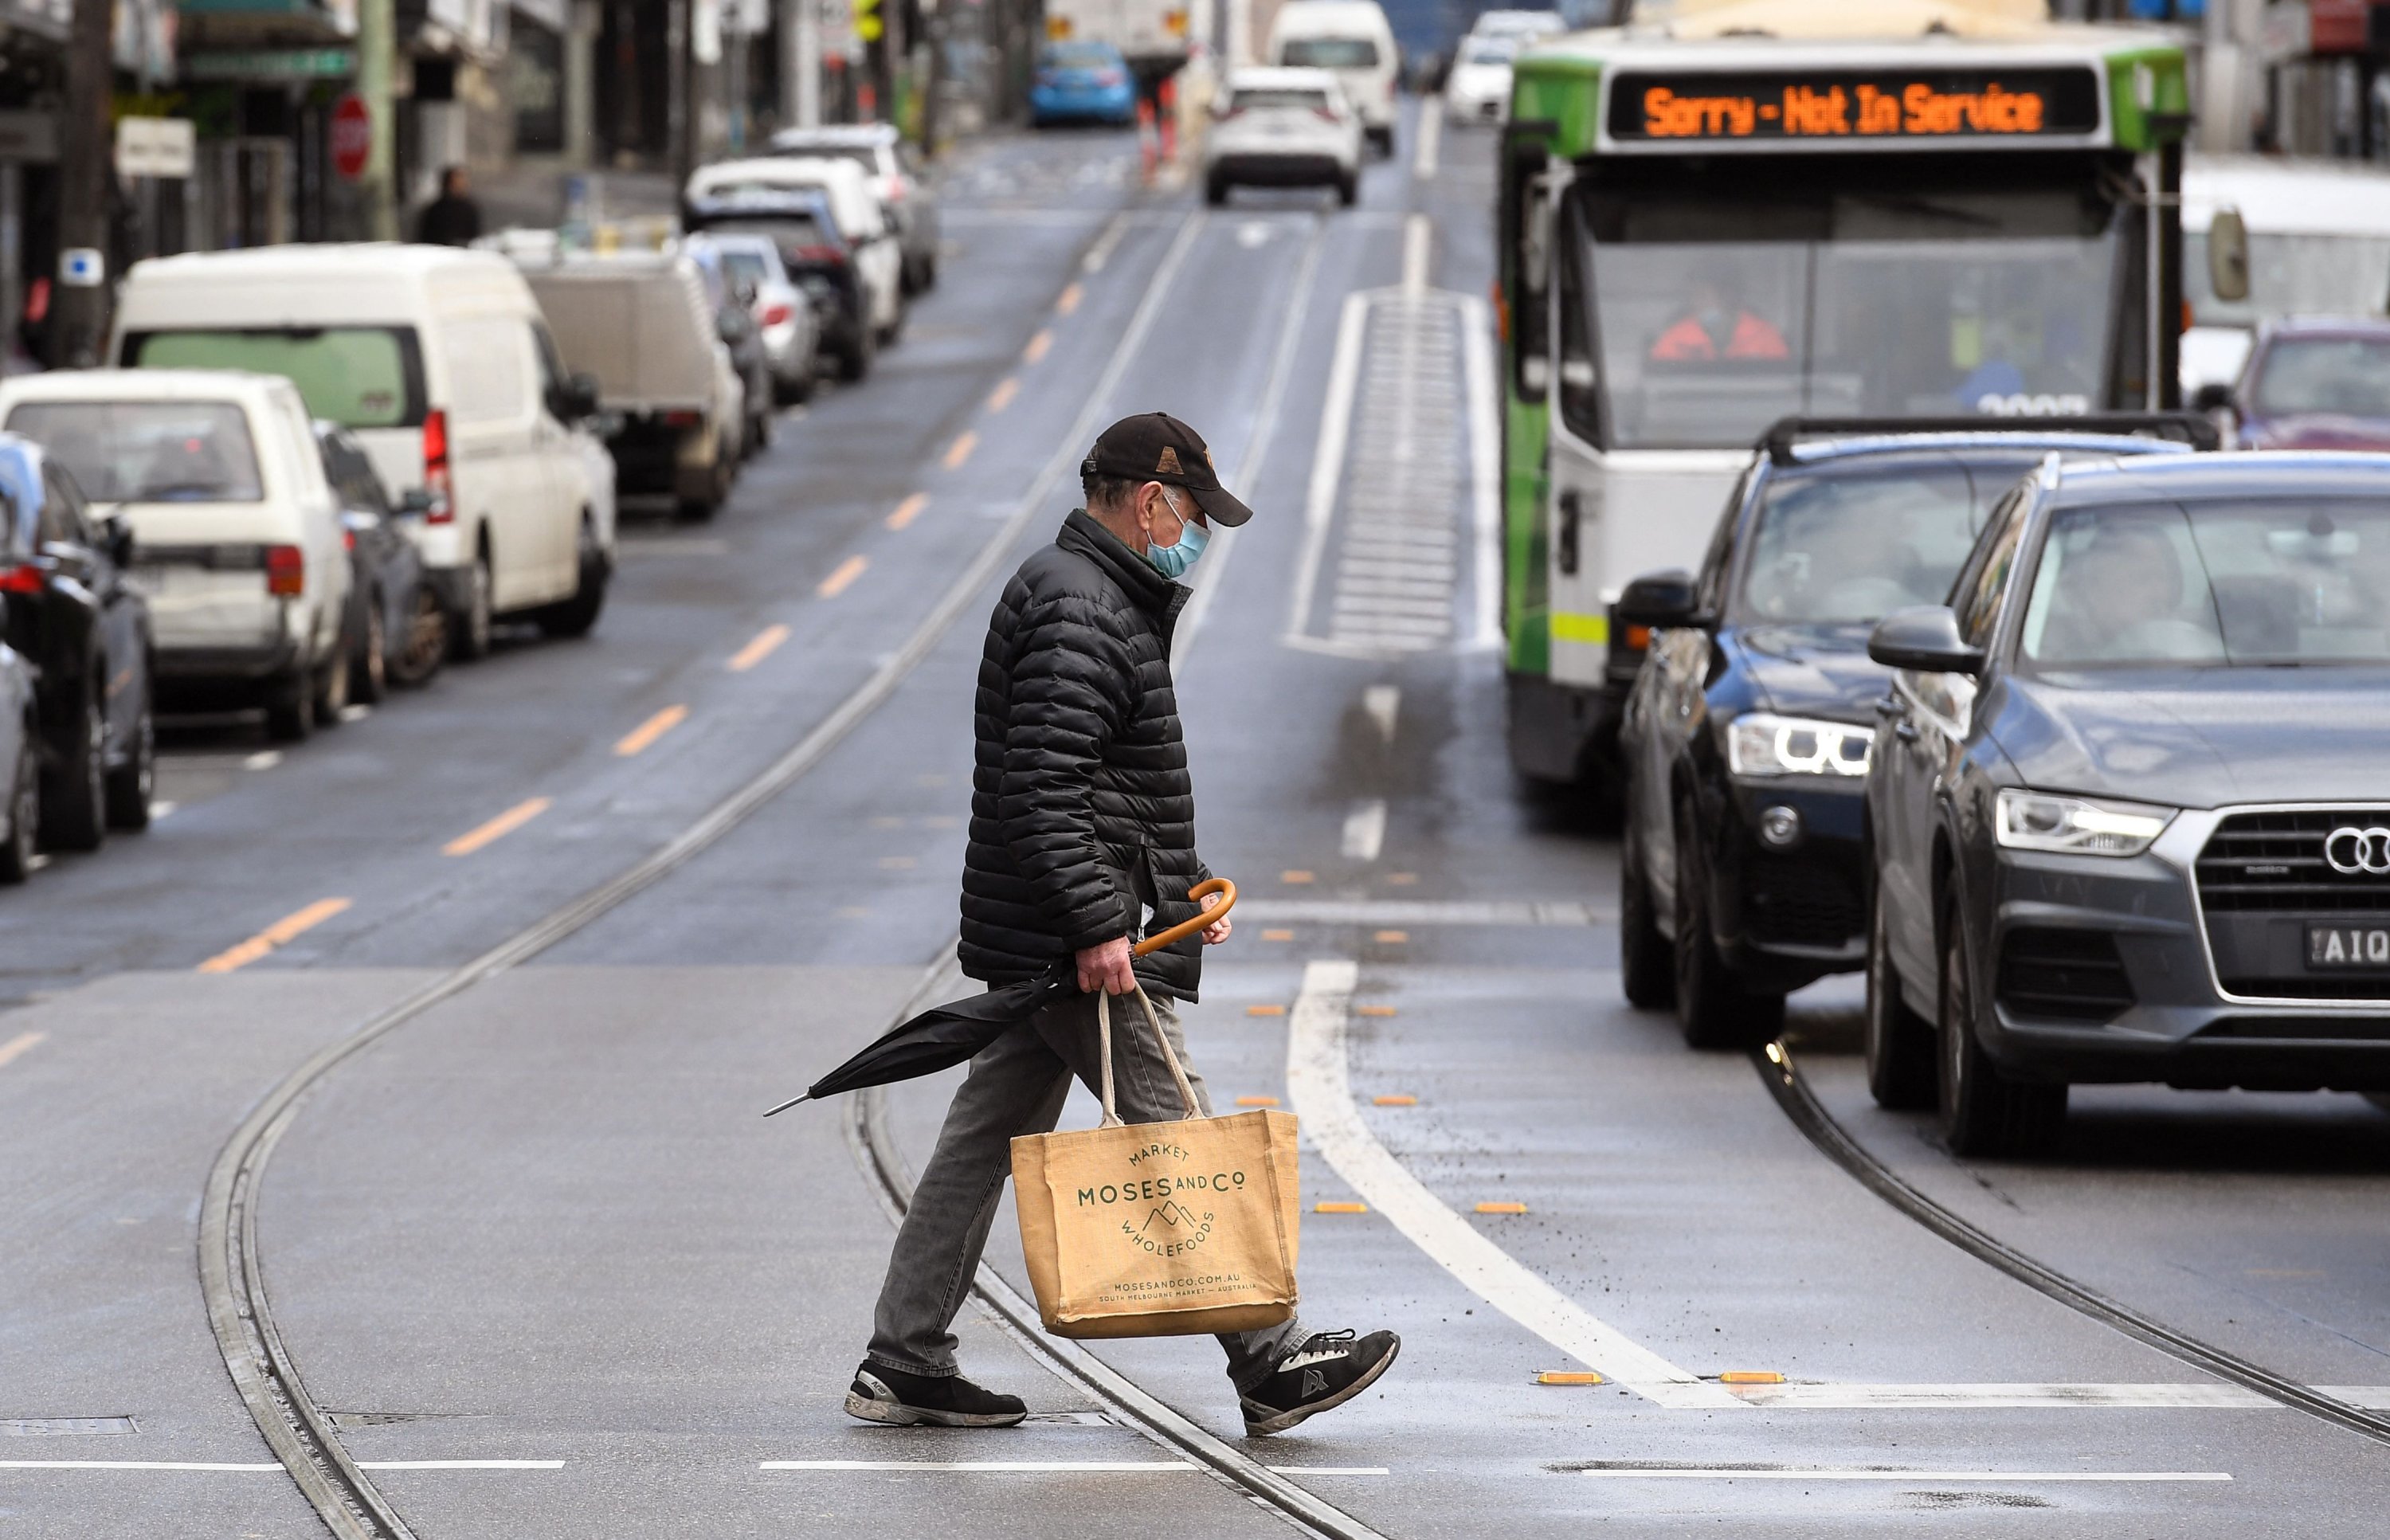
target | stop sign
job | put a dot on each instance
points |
(351, 137)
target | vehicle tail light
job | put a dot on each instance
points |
(435, 468)
(285, 570)
(831, 254)
(349, 539)
(893, 189)
(776, 312)
(24, 579)
(1638, 639)
(682, 419)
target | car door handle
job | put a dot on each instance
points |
(1890, 706)
(1905, 732)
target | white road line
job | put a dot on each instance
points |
(1365, 830)
(1382, 702)
(1322, 1094)
(1484, 467)
(1856, 1473)
(1328, 457)
(264, 759)
(1423, 912)
(460, 1465)
(1106, 244)
(1430, 130)
(1417, 239)
(262, 1466)
(1965, 1398)
(1045, 1466)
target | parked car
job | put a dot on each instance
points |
(236, 532)
(398, 632)
(20, 751)
(1081, 83)
(438, 361)
(797, 219)
(1747, 735)
(734, 322)
(866, 249)
(1477, 87)
(1521, 27)
(2124, 822)
(639, 323)
(2267, 237)
(784, 313)
(906, 199)
(1282, 128)
(1353, 40)
(2310, 384)
(80, 627)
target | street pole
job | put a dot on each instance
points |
(86, 164)
(803, 88)
(683, 95)
(376, 61)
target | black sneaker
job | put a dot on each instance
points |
(904, 1400)
(1328, 1370)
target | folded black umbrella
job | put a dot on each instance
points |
(949, 1034)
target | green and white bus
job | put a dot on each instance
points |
(1761, 211)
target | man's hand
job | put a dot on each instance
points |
(1106, 967)
(1217, 932)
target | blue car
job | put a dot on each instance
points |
(1081, 83)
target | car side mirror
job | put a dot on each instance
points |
(2214, 396)
(1658, 600)
(415, 504)
(116, 536)
(580, 397)
(2227, 255)
(1925, 639)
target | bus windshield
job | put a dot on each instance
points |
(1709, 320)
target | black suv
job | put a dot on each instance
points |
(1747, 735)
(2132, 819)
(75, 616)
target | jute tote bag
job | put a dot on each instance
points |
(1160, 1229)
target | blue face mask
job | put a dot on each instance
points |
(1174, 560)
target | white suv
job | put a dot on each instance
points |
(1282, 127)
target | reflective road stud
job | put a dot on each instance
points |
(1569, 1376)
(1501, 1208)
(1393, 938)
(1257, 1101)
(1750, 1377)
(1266, 1011)
(1373, 1010)
(1396, 1100)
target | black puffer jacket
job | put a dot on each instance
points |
(1081, 811)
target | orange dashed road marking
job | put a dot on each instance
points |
(1266, 1011)
(765, 643)
(841, 580)
(1395, 1100)
(646, 732)
(908, 510)
(1038, 347)
(279, 933)
(961, 450)
(1501, 1208)
(1278, 935)
(1257, 1101)
(24, 1042)
(1297, 876)
(1373, 1010)
(1067, 302)
(496, 828)
(1002, 397)
(1569, 1376)
(1340, 1208)
(1393, 938)
(1750, 1377)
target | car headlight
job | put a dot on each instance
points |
(2076, 826)
(1765, 745)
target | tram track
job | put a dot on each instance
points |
(1799, 1104)
(231, 1279)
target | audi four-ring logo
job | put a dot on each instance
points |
(2350, 851)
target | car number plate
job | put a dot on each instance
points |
(2366, 946)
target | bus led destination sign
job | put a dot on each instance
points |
(1853, 105)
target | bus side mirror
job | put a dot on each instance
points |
(2228, 256)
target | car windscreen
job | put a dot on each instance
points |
(1328, 53)
(862, 155)
(748, 265)
(789, 231)
(147, 451)
(1490, 52)
(358, 377)
(1844, 548)
(1280, 100)
(2285, 582)
(2337, 376)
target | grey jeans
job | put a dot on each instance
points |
(1017, 1085)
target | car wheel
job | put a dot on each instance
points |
(331, 695)
(132, 783)
(796, 392)
(1983, 1113)
(578, 614)
(1348, 190)
(74, 800)
(25, 810)
(895, 328)
(928, 279)
(1900, 1045)
(1215, 191)
(290, 714)
(855, 359)
(469, 637)
(1715, 1009)
(426, 643)
(1647, 965)
(369, 659)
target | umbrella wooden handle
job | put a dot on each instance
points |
(1185, 927)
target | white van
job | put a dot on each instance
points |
(1351, 39)
(878, 253)
(2319, 243)
(438, 361)
(236, 533)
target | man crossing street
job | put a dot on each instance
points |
(1082, 839)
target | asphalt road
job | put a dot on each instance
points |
(540, 1225)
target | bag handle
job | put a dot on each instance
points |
(1169, 1055)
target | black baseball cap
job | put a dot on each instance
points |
(1155, 446)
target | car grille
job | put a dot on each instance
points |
(2071, 975)
(1801, 903)
(2274, 862)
